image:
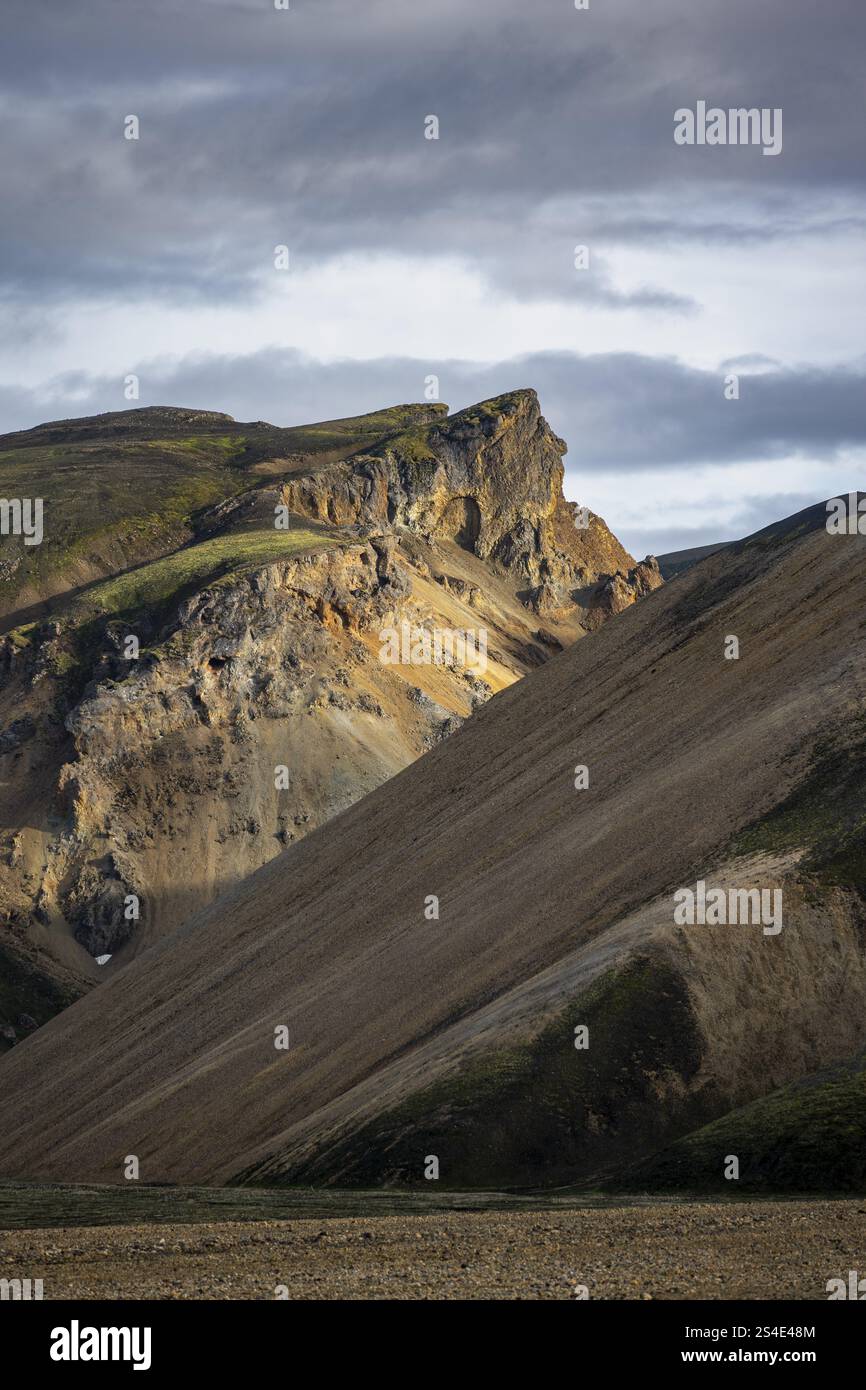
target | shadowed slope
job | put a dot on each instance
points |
(811, 1135)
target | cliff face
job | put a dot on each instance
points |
(174, 722)
(490, 480)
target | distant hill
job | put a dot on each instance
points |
(675, 561)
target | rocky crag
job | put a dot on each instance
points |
(191, 665)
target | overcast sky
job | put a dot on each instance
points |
(411, 257)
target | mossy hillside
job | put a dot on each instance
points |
(359, 433)
(146, 598)
(131, 484)
(809, 1136)
(417, 445)
(25, 989)
(825, 812)
(414, 449)
(230, 445)
(493, 409)
(151, 587)
(127, 497)
(542, 1113)
(139, 422)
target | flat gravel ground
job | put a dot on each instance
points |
(756, 1250)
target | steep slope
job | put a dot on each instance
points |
(555, 911)
(202, 678)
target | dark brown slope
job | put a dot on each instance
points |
(174, 1059)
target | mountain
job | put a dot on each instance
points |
(191, 666)
(436, 950)
(675, 561)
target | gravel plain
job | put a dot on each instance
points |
(696, 1250)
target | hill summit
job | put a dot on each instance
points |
(232, 631)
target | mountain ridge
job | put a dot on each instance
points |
(149, 784)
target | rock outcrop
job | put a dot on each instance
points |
(169, 727)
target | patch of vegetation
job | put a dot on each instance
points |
(355, 434)
(35, 1206)
(145, 598)
(807, 1137)
(153, 586)
(25, 989)
(541, 1113)
(413, 446)
(127, 498)
(491, 409)
(22, 637)
(148, 596)
(122, 487)
(826, 812)
(229, 444)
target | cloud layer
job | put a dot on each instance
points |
(305, 127)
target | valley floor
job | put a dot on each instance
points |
(759, 1249)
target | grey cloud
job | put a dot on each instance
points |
(628, 411)
(306, 127)
(619, 412)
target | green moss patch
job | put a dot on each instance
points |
(826, 812)
(153, 586)
(26, 989)
(124, 499)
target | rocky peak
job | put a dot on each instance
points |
(258, 702)
(488, 478)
